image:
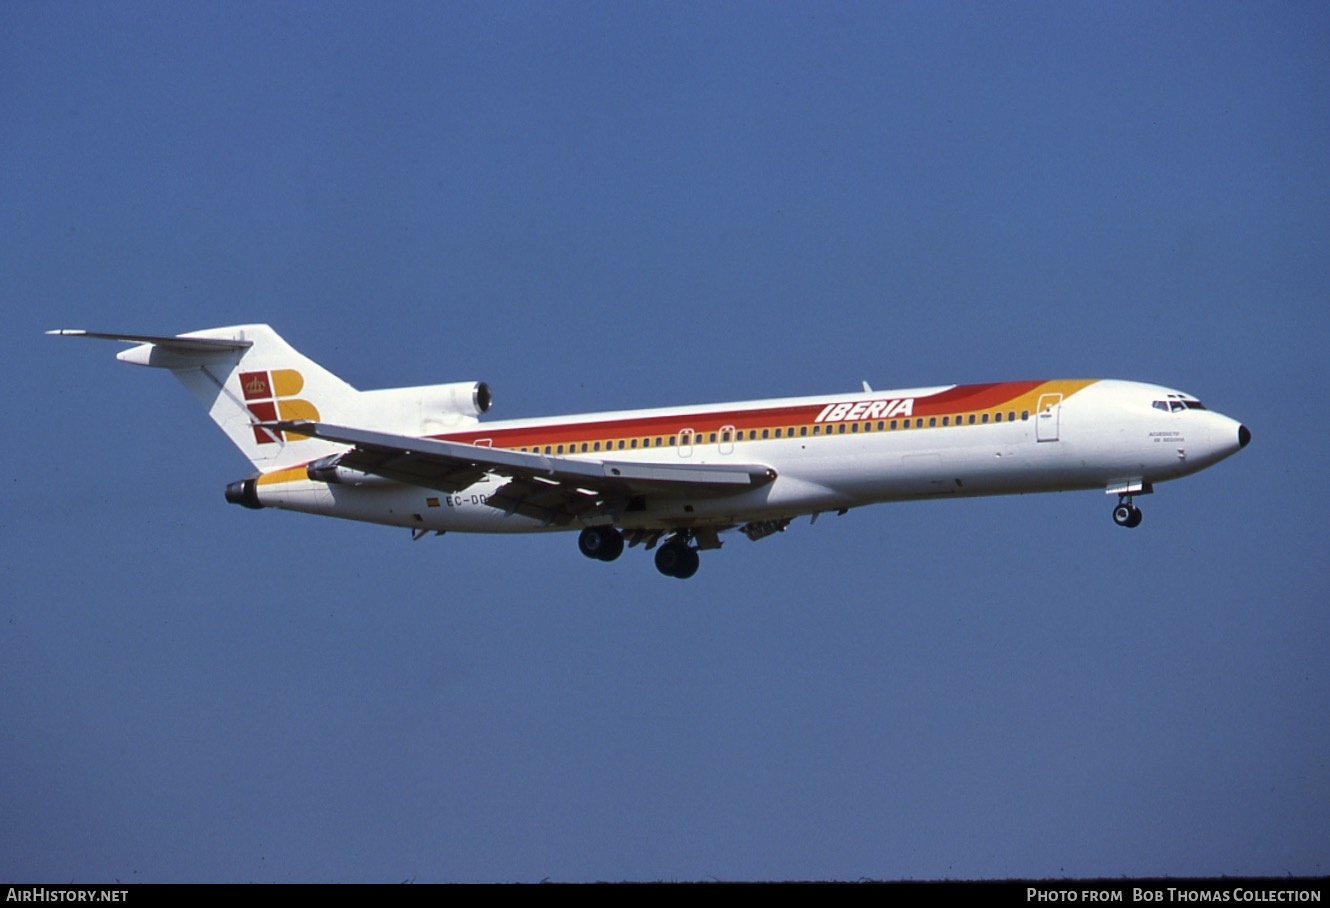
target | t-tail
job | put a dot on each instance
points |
(248, 378)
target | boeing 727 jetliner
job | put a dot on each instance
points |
(670, 479)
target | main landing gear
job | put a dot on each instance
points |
(676, 559)
(673, 559)
(604, 543)
(1126, 514)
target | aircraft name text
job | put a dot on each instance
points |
(851, 411)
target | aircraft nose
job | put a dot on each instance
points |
(1225, 436)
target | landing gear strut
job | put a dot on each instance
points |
(1126, 514)
(603, 543)
(676, 559)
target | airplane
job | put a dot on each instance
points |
(670, 479)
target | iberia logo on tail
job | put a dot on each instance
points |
(270, 396)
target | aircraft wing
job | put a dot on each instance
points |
(553, 489)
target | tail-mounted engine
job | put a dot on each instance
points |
(244, 492)
(467, 398)
(425, 409)
(330, 471)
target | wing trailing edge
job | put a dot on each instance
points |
(556, 489)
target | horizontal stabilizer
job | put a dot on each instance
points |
(174, 343)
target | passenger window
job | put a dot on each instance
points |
(803, 431)
(997, 417)
(778, 433)
(932, 422)
(984, 419)
(596, 446)
(946, 420)
(766, 433)
(1025, 416)
(971, 420)
(633, 443)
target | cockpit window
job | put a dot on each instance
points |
(1176, 404)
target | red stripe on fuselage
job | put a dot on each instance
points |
(959, 398)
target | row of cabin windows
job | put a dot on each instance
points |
(727, 436)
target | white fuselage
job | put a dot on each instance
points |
(828, 453)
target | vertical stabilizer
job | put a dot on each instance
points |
(246, 375)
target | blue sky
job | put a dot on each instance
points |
(595, 206)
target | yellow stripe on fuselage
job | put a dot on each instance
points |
(291, 474)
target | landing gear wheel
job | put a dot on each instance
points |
(688, 564)
(676, 559)
(1126, 515)
(603, 543)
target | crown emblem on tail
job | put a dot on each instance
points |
(269, 397)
